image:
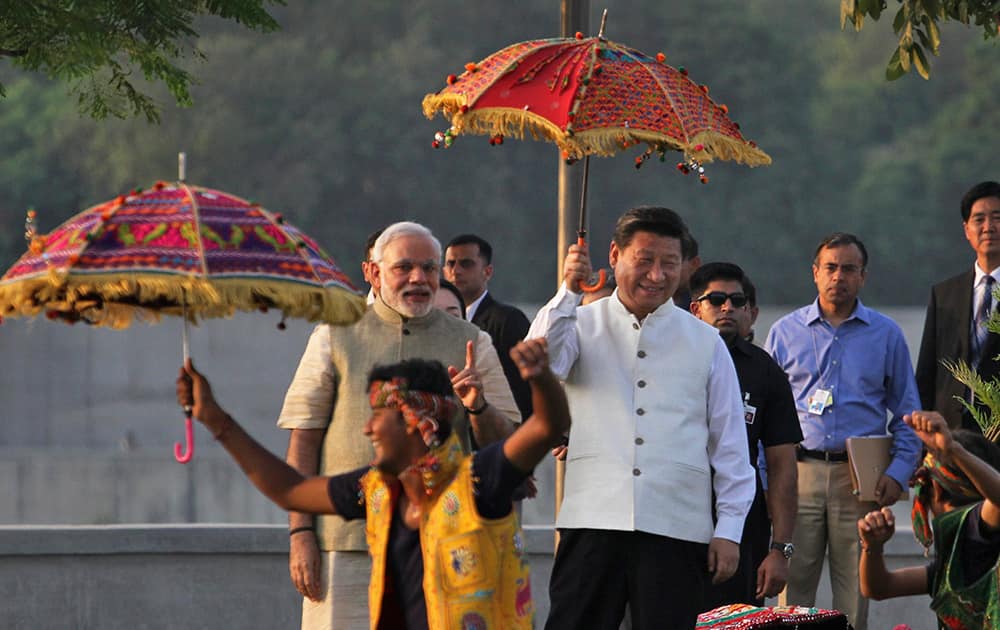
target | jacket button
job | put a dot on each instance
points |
(636, 472)
(639, 441)
(641, 354)
(635, 326)
(641, 383)
(640, 411)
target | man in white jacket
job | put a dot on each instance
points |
(657, 425)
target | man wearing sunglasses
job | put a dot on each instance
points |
(849, 368)
(721, 297)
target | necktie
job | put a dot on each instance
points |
(982, 316)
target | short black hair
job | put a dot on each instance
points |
(750, 291)
(370, 243)
(689, 246)
(712, 271)
(841, 239)
(447, 286)
(979, 446)
(977, 192)
(485, 249)
(657, 220)
(422, 375)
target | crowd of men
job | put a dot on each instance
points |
(424, 423)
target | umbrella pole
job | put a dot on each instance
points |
(184, 452)
(581, 233)
(574, 16)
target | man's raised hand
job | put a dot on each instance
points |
(531, 357)
(467, 382)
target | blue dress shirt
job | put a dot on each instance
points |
(865, 364)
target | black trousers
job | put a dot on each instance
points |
(596, 572)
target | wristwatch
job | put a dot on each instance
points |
(786, 548)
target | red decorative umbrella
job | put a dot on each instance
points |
(180, 250)
(591, 96)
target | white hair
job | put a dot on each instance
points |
(397, 230)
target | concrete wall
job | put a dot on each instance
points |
(224, 576)
(210, 577)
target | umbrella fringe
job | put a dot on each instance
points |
(96, 299)
(608, 142)
(510, 122)
(720, 146)
(449, 104)
(516, 123)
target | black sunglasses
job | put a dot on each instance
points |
(718, 298)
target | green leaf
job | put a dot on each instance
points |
(935, 36)
(920, 62)
(846, 12)
(904, 58)
(894, 69)
(898, 21)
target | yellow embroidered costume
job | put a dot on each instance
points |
(475, 575)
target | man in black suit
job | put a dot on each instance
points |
(468, 264)
(690, 261)
(955, 324)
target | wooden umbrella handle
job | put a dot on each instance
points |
(602, 275)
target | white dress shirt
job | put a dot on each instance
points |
(470, 310)
(656, 411)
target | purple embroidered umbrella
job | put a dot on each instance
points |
(181, 250)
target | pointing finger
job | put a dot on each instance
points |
(470, 355)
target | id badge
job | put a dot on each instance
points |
(749, 411)
(819, 401)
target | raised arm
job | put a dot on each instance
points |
(278, 481)
(485, 393)
(556, 320)
(545, 428)
(875, 579)
(933, 431)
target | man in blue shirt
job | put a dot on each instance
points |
(848, 367)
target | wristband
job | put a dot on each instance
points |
(476, 412)
(299, 530)
(869, 549)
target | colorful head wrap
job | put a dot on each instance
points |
(420, 409)
(952, 480)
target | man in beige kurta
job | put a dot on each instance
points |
(327, 404)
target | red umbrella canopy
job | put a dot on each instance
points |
(590, 96)
(176, 248)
